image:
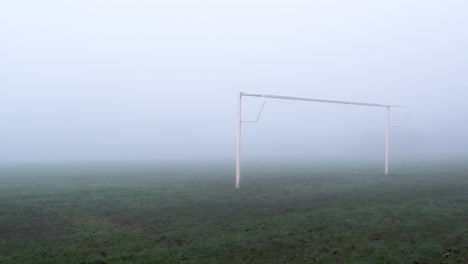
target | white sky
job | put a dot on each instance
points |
(104, 80)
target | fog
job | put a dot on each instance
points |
(159, 80)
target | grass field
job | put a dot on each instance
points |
(191, 213)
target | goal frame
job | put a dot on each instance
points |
(274, 96)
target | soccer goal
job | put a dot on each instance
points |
(265, 96)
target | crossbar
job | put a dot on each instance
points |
(316, 100)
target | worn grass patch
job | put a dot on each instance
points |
(191, 213)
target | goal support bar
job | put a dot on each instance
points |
(264, 96)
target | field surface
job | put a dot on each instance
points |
(191, 213)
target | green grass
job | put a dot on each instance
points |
(191, 213)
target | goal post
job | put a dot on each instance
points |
(265, 96)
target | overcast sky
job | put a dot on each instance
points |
(130, 80)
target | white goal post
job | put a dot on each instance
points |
(264, 96)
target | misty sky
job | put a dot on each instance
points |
(130, 80)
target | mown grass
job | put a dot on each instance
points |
(191, 213)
